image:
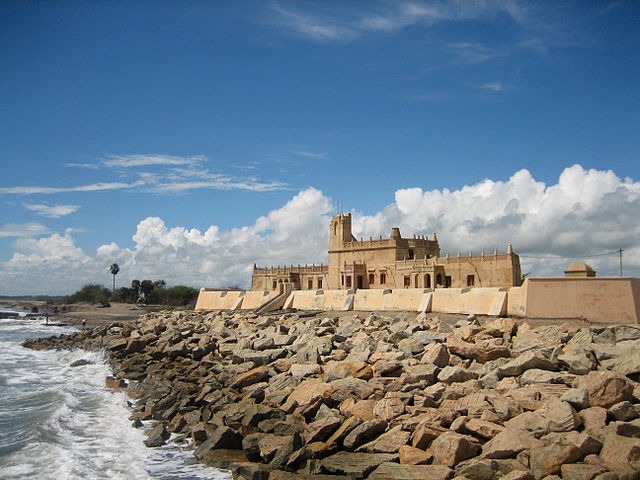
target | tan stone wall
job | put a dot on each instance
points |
(598, 299)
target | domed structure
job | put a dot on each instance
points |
(580, 269)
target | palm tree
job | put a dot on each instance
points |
(114, 269)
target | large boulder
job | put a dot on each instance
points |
(607, 388)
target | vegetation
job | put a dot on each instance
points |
(89, 293)
(156, 293)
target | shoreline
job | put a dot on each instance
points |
(379, 395)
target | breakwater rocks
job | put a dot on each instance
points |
(381, 397)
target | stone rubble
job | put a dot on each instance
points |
(294, 396)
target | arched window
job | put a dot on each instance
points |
(372, 279)
(427, 281)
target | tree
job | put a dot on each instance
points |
(135, 289)
(114, 269)
(146, 287)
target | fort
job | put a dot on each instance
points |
(393, 262)
(409, 274)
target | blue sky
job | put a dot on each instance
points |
(129, 129)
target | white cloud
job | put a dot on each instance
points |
(94, 187)
(128, 161)
(586, 212)
(51, 211)
(493, 86)
(23, 230)
(344, 24)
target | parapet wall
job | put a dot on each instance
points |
(615, 300)
(211, 299)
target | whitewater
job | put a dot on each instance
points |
(61, 422)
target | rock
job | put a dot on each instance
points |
(264, 343)
(254, 375)
(286, 450)
(321, 429)
(451, 448)
(577, 362)
(116, 344)
(356, 465)
(425, 433)
(477, 469)
(419, 373)
(451, 374)
(520, 475)
(580, 471)
(481, 428)
(607, 388)
(387, 368)
(389, 408)
(363, 433)
(561, 416)
(436, 354)
(619, 449)
(593, 418)
(524, 362)
(547, 460)
(342, 431)
(157, 436)
(262, 447)
(577, 397)
(304, 393)
(393, 471)
(82, 362)
(388, 442)
(305, 369)
(532, 422)
(509, 443)
(413, 456)
(623, 411)
(221, 438)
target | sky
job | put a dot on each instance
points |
(187, 141)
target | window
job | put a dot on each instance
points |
(310, 284)
(348, 281)
(372, 279)
(407, 281)
(470, 280)
(383, 278)
(447, 281)
(275, 284)
(410, 254)
(342, 280)
(427, 281)
(319, 282)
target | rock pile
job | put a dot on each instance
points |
(377, 397)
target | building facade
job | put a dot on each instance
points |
(393, 262)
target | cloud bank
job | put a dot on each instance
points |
(587, 212)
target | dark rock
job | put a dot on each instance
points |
(81, 362)
(157, 436)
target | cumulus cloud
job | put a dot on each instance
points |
(586, 213)
(51, 211)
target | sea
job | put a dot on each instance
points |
(61, 422)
